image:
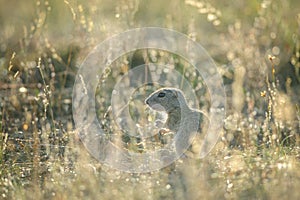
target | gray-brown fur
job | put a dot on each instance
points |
(173, 102)
(182, 120)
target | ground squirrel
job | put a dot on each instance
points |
(182, 120)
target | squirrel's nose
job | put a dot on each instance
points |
(147, 101)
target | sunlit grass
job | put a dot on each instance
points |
(256, 47)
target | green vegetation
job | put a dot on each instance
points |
(256, 46)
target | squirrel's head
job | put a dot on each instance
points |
(166, 99)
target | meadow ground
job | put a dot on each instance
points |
(255, 45)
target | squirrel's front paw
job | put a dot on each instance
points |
(164, 131)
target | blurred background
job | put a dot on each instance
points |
(255, 45)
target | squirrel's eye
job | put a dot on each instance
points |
(161, 94)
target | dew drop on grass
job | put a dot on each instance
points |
(23, 89)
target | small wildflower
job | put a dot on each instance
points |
(271, 58)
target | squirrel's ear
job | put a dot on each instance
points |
(176, 93)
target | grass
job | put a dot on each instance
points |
(255, 45)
